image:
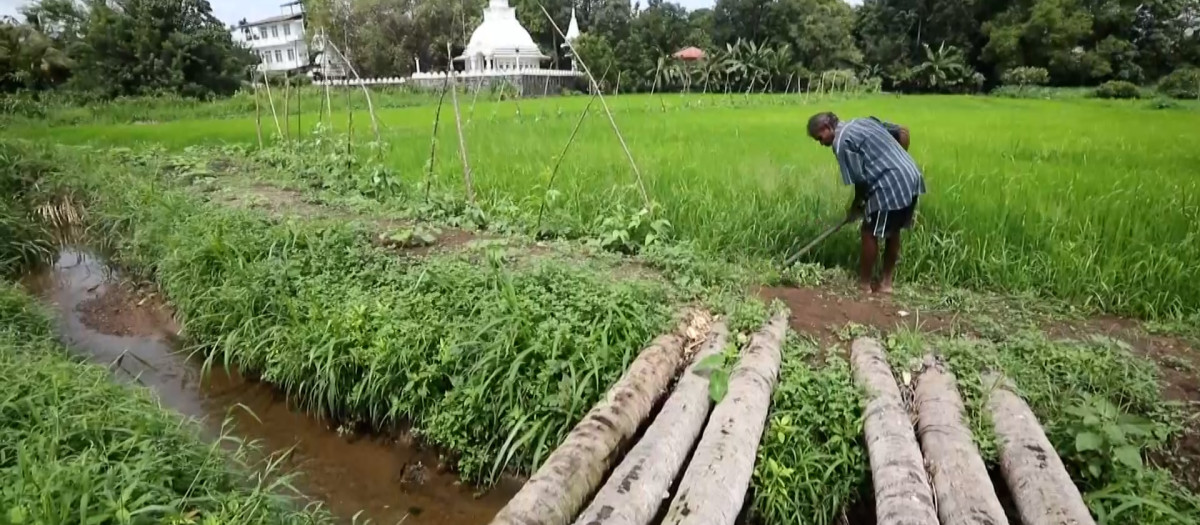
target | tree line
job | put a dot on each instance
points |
(123, 47)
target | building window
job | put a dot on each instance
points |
(275, 31)
(291, 55)
(278, 56)
(267, 58)
(287, 30)
(262, 32)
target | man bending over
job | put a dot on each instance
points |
(873, 157)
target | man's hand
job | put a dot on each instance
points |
(903, 138)
(856, 211)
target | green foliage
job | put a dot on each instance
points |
(942, 71)
(76, 447)
(811, 462)
(629, 233)
(1026, 76)
(1183, 83)
(29, 60)
(122, 48)
(1108, 443)
(1118, 89)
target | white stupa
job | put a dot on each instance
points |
(572, 35)
(501, 43)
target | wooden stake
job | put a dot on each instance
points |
(462, 143)
(637, 172)
(271, 99)
(287, 106)
(366, 92)
(563, 153)
(437, 118)
(257, 118)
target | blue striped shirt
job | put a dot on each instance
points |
(868, 154)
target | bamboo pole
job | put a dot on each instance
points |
(607, 111)
(271, 100)
(366, 92)
(287, 106)
(437, 118)
(462, 142)
(561, 156)
(257, 118)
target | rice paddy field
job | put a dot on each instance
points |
(1089, 201)
(1057, 244)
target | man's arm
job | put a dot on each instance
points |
(851, 164)
(898, 132)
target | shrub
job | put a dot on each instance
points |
(1026, 76)
(1118, 89)
(1181, 83)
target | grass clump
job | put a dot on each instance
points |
(75, 447)
(812, 462)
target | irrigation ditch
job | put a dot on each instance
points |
(385, 478)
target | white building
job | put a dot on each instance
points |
(278, 41)
(501, 43)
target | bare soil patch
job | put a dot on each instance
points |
(822, 313)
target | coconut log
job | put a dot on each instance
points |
(1041, 488)
(576, 468)
(902, 493)
(638, 486)
(965, 495)
(714, 486)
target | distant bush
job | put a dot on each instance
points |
(1026, 76)
(1181, 83)
(1118, 89)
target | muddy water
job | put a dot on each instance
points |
(389, 479)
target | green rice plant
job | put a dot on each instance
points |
(1017, 202)
(77, 447)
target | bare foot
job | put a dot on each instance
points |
(885, 288)
(865, 287)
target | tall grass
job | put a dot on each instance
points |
(1091, 201)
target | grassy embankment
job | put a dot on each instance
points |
(76, 447)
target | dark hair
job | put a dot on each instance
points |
(820, 120)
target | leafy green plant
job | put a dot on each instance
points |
(631, 232)
(414, 237)
(718, 367)
(1107, 441)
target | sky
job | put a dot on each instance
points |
(230, 11)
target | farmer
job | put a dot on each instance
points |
(873, 156)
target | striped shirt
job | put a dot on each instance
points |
(869, 154)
